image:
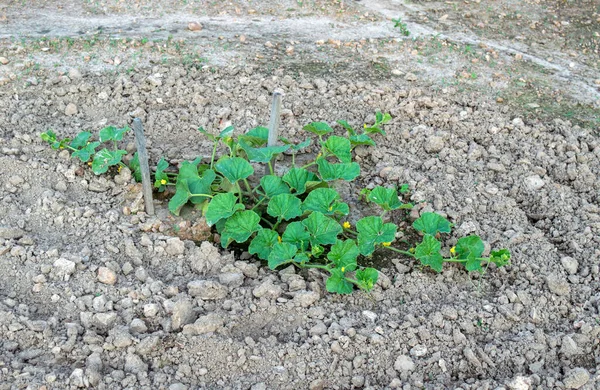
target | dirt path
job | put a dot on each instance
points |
(495, 126)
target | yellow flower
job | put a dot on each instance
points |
(365, 125)
(330, 208)
(412, 250)
(119, 169)
(347, 225)
(386, 244)
(90, 163)
(453, 250)
(163, 182)
(278, 238)
(343, 269)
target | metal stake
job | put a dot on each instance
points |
(140, 141)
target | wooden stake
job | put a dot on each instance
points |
(140, 142)
(274, 124)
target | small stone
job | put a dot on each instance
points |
(151, 310)
(267, 290)
(71, 109)
(520, 383)
(358, 381)
(104, 321)
(76, 378)
(205, 324)
(534, 183)
(418, 350)
(107, 276)
(175, 246)
(194, 26)
(319, 329)
(134, 364)
(317, 384)
(397, 72)
(558, 285)
(518, 56)
(138, 326)
(306, 298)
(74, 74)
(63, 268)
(9, 233)
(570, 265)
(206, 289)
(404, 363)
(178, 386)
(183, 314)
(569, 347)
(369, 315)
(434, 144)
(576, 378)
(411, 77)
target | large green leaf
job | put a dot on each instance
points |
(81, 140)
(273, 185)
(318, 128)
(234, 168)
(256, 137)
(323, 230)
(263, 243)
(347, 126)
(432, 223)
(182, 195)
(345, 171)
(190, 185)
(428, 253)
(361, 139)
(239, 227)
(367, 278)
(222, 206)
(297, 178)
(160, 177)
(111, 133)
(470, 248)
(284, 206)
(85, 153)
(296, 233)
(387, 199)
(339, 147)
(105, 159)
(200, 185)
(262, 155)
(337, 283)
(326, 201)
(343, 254)
(372, 231)
(282, 253)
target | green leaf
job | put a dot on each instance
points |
(326, 201)
(263, 243)
(372, 231)
(382, 119)
(470, 248)
(111, 133)
(282, 253)
(297, 178)
(134, 165)
(323, 230)
(81, 140)
(262, 155)
(273, 185)
(207, 134)
(222, 206)
(295, 233)
(317, 251)
(339, 147)
(361, 139)
(428, 253)
(201, 185)
(404, 189)
(318, 128)
(226, 132)
(347, 126)
(239, 227)
(284, 206)
(345, 171)
(160, 174)
(367, 278)
(182, 195)
(343, 254)
(500, 257)
(374, 130)
(337, 283)
(431, 223)
(234, 168)
(85, 153)
(305, 144)
(256, 137)
(49, 136)
(105, 159)
(387, 198)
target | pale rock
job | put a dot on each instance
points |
(520, 383)
(206, 289)
(64, 268)
(434, 144)
(175, 246)
(134, 364)
(183, 314)
(267, 290)
(576, 378)
(204, 324)
(404, 363)
(570, 265)
(558, 285)
(305, 298)
(107, 276)
(534, 183)
(569, 347)
(71, 109)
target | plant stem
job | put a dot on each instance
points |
(258, 203)
(250, 192)
(194, 195)
(320, 266)
(271, 168)
(277, 223)
(267, 222)
(294, 159)
(400, 251)
(308, 165)
(237, 183)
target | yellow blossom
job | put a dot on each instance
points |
(365, 125)
(453, 250)
(119, 169)
(386, 244)
(278, 238)
(412, 250)
(347, 225)
(343, 269)
(163, 182)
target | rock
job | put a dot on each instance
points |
(175, 246)
(267, 290)
(305, 298)
(434, 144)
(121, 337)
(134, 364)
(369, 315)
(231, 276)
(103, 96)
(138, 326)
(74, 74)
(107, 276)
(154, 80)
(104, 321)
(558, 285)
(183, 314)
(569, 347)
(205, 324)
(4, 60)
(534, 183)
(404, 363)
(93, 368)
(64, 268)
(319, 329)
(317, 384)
(576, 378)
(206, 289)
(178, 386)
(151, 310)
(71, 109)
(520, 383)
(570, 265)
(411, 77)
(9, 233)
(205, 259)
(76, 378)
(147, 345)
(418, 350)
(194, 26)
